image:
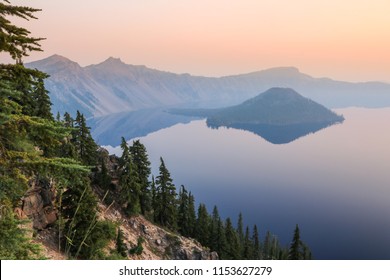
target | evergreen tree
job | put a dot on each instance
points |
(104, 178)
(68, 120)
(240, 232)
(14, 243)
(183, 211)
(267, 246)
(217, 234)
(68, 148)
(58, 117)
(191, 215)
(120, 245)
(154, 198)
(16, 40)
(83, 141)
(248, 246)
(296, 252)
(202, 225)
(256, 244)
(306, 252)
(41, 100)
(232, 242)
(166, 211)
(129, 187)
(214, 233)
(142, 167)
(222, 246)
(275, 249)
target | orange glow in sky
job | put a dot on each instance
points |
(340, 39)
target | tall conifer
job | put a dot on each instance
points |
(166, 212)
(130, 189)
(142, 167)
(202, 229)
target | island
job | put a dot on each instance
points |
(279, 115)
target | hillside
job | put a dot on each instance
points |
(113, 86)
(276, 106)
(159, 243)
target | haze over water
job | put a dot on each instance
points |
(335, 183)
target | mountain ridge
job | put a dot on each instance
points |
(113, 86)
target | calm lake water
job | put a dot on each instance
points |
(334, 183)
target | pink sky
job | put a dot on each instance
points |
(341, 39)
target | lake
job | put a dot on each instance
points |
(334, 183)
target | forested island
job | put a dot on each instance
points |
(279, 115)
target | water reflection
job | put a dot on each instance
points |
(108, 130)
(280, 134)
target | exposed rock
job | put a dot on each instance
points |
(145, 229)
(38, 204)
(158, 242)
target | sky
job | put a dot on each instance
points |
(341, 39)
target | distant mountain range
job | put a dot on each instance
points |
(113, 86)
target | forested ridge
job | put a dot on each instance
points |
(37, 148)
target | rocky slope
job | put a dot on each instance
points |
(39, 208)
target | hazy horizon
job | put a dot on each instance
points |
(345, 41)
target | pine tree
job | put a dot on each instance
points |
(256, 244)
(153, 190)
(232, 241)
(214, 234)
(83, 141)
(129, 187)
(142, 167)
(240, 232)
(191, 215)
(166, 212)
(68, 148)
(295, 252)
(68, 120)
(306, 252)
(16, 40)
(274, 248)
(248, 246)
(183, 211)
(14, 243)
(267, 246)
(202, 228)
(104, 177)
(222, 246)
(41, 100)
(120, 245)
